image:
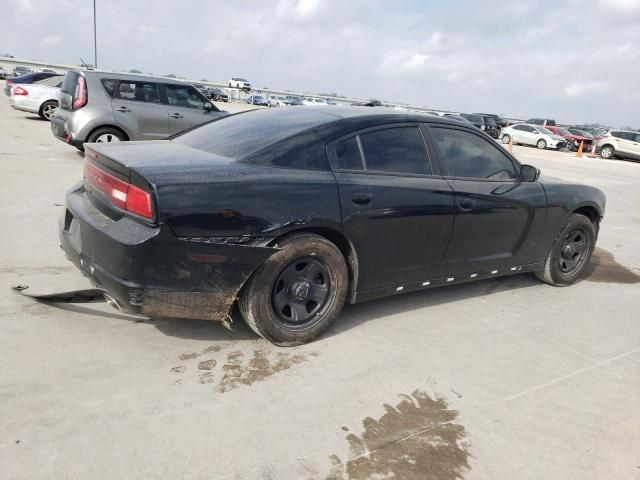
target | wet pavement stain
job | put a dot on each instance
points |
(416, 439)
(603, 268)
(234, 369)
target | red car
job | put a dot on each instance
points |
(573, 140)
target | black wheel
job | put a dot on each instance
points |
(106, 135)
(570, 253)
(541, 144)
(48, 109)
(298, 292)
(607, 151)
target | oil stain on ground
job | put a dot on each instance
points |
(417, 439)
(235, 369)
(603, 268)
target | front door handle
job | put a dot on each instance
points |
(123, 109)
(176, 115)
(467, 204)
(362, 198)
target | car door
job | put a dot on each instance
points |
(529, 135)
(396, 210)
(137, 109)
(519, 134)
(187, 107)
(498, 217)
(635, 145)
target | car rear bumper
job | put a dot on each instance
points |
(149, 271)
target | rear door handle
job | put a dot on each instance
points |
(467, 204)
(176, 115)
(123, 109)
(362, 198)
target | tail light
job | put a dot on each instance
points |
(122, 194)
(80, 94)
(20, 91)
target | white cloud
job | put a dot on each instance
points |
(577, 89)
(307, 7)
(51, 41)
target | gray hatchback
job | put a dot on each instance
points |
(112, 107)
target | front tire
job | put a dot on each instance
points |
(48, 110)
(570, 253)
(298, 292)
(607, 152)
(506, 138)
(541, 144)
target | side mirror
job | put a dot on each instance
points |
(529, 173)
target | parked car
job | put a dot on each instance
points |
(257, 100)
(369, 103)
(584, 133)
(3, 73)
(292, 101)
(486, 124)
(240, 83)
(278, 101)
(26, 79)
(41, 97)
(314, 101)
(201, 88)
(525, 134)
(217, 94)
(573, 139)
(111, 107)
(541, 121)
(49, 70)
(457, 117)
(594, 132)
(20, 70)
(620, 144)
(501, 122)
(355, 210)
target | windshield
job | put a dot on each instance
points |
(563, 131)
(55, 81)
(544, 130)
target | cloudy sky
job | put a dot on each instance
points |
(575, 61)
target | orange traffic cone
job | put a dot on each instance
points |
(510, 146)
(592, 154)
(579, 154)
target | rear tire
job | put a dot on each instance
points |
(106, 135)
(565, 261)
(277, 299)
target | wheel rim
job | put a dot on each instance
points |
(301, 291)
(542, 144)
(49, 111)
(573, 252)
(606, 152)
(107, 138)
(505, 139)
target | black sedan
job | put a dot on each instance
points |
(291, 212)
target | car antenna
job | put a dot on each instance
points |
(85, 65)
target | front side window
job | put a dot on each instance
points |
(464, 154)
(184, 96)
(137, 91)
(395, 150)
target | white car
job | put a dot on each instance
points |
(314, 101)
(525, 134)
(278, 101)
(41, 97)
(620, 144)
(241, 83)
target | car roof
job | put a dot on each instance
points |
(130, 76)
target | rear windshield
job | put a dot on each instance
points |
(238, 136)
(69, 84)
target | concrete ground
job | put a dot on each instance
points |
(505, 378)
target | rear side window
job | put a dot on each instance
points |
(138, 91)
(110, 86)
(348, 154)
(464, 154)
(395, 150)
(623, 135)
